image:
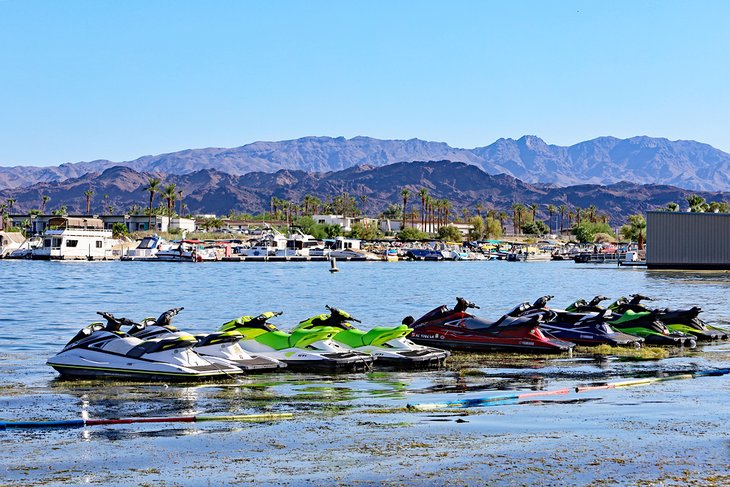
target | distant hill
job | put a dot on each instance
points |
(605, 160)
(464, 185)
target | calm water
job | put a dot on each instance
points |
(43, 304)
(50, 301)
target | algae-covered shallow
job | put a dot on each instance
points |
(357, 429)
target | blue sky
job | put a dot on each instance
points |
(85, 80)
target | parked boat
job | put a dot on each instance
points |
(10, 242)
(147, 248)
(75, 239)
(25, 251)
(268, 245)
(187, 251)
(300, 243)
(347, 249)
(390, 254)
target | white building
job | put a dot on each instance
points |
(346, 222)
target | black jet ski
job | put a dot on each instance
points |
(581, 328)
(454, 328)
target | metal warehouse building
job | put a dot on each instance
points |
(687, 240)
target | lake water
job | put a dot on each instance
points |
(43, 304)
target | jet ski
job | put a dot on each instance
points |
(457, 329)
(302, 350)
(580, 328)
(387, 345)
(679, 320)
(223, 345)
(581, 306)
(103, 350)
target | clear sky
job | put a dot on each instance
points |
(85, 80)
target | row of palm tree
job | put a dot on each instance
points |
(560, 218)
(170, 193)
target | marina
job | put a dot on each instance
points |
(374, 402)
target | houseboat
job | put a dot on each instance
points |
(75, 239)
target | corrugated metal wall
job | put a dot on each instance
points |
(688, 240)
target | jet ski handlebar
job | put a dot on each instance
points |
(637, 298)
(462, 304)
(542, 301)
(597, 299)
(347, 316)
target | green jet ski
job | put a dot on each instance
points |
(302, 350)
(387, 345)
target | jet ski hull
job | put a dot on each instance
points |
(411, 359)
(96, 365)
(345, 363)
(590, 338)
(482, 343)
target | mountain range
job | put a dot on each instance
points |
(604, 160)
(464, 185)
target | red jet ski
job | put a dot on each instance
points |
(457, 329)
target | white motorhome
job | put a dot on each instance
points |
(75, 239)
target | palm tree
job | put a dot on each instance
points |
(45, 198)
(404, 193)
(563, 210)
(153, 186)
(672, 206)
(447, 209)
(533, 209)
(517, 209)
(3, 206)
(106, 200)
(551, 209)
(479, 208)
(592, 213)
(179, 194)
(696, 203)
(423, 193)
(502, 216)
(170, 194)
(363, 200)
(11, 202)
(88, 194)
(577, 214)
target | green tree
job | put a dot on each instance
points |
(45, 199)
(449, 233)
(717, 207)
(672, 206)
(410, 234)
(696, 203)
(369, 232)
(535, 227)
(393, 212)
(477, 230)
(635, 229)
(586, 232)
(493, 228)
(119, 229)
